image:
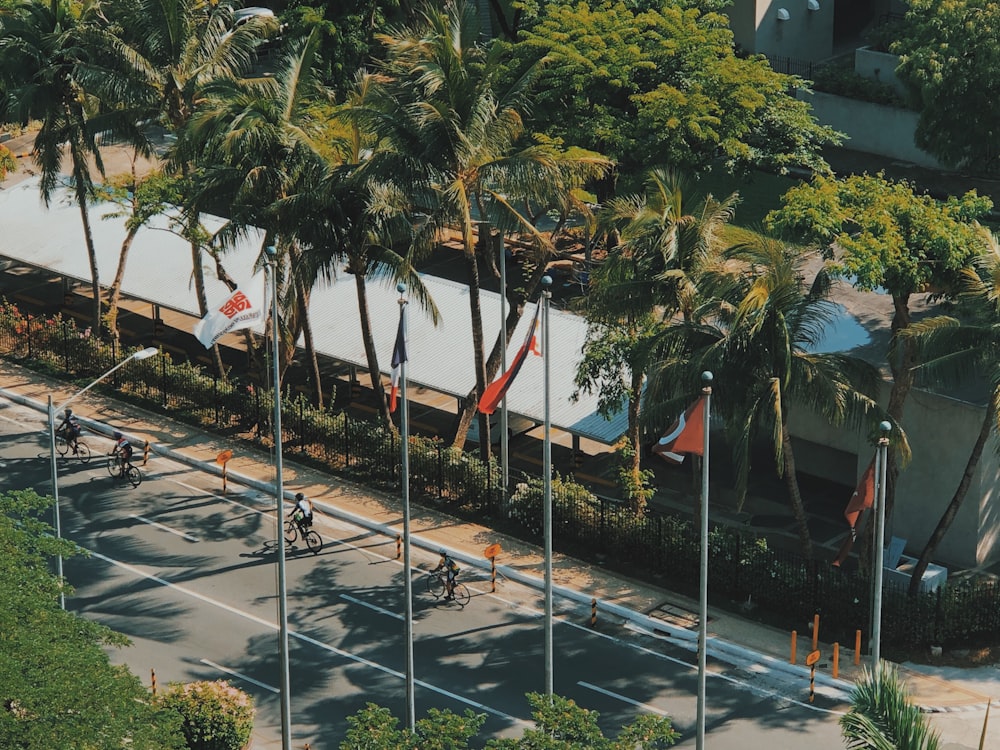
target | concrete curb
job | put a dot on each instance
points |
(729, 652)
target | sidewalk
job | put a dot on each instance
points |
(958, 697)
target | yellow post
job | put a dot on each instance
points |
(493, 574)
(223, 479)
(857, 647)
(145, 453)
(399, 545)
(153, 673)
(795, 638)
(815, 630)
(836, 660)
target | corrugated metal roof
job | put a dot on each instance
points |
(440, 357)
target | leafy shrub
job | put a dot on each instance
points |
(216, 715)
(845, 82)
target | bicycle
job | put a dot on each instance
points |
(293, 530)
(437, 585)
(82, 451)
(120, 469)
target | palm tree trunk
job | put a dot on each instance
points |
(989, 420)
(794, 495)
(637, 500)
(116, 285)
(370, 353)
(302, 293)
(79, 178)
(199, 287)
(485, 452)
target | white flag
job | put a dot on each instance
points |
(240, 310)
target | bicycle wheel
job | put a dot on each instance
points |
(435, 586)
(61, 445)
(462, 595)
(133, 475)
(114, 466)
(83, 452)
(313, 541)
(291, 532)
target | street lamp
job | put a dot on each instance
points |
(142, 354)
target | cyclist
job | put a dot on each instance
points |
(302, 513)
(122, 449)
(72, 428)
(450, 567)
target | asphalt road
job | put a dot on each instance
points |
(190, 576)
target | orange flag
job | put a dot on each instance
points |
(862, 499)
(686, 436)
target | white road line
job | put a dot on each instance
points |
(306, 639)
(242, 676)
(623, 699)
(371, 606)
(181, 534)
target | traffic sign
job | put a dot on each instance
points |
(812, 658)
(492, 551)
(223, 457)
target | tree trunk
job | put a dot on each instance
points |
(88, 236)
(307, 336)
(794, 495)
(199, 288)
(485, 449)
(637, 500)
(116, 285)
(957, 499)
(370, 353)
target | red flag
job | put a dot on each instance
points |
(496, 390)
(862, 499)
(686, 436)
(398, 358)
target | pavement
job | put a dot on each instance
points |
(956, 699)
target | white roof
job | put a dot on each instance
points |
(440, 357)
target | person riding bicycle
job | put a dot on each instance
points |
(72, 428)
(302, 513)
(122, 449)
(452, 570)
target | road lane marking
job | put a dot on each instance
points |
(623, 699)
(306, 639)
(242, 676)
(181, 534)
(371, 606)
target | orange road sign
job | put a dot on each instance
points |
(812, 658)
(223, 457)
(492, 551)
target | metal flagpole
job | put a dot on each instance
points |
(881, 455)
(547, 483)
(706, 378)
(286, 703)
(404, 436)
(504, 455)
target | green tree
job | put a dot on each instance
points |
(647, 278)
(42, 50)
(453, 135)
(950, 66)
(887, 236)
(560, 724)
(882, 716)
(8, 163)
(214, 715)
(375, 728)
(57, 685)
(664, 85)
(956, 350)
(759, 332)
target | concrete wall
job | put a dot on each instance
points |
(941, 432)
(806, 35)
(871, 128)
(878, 66)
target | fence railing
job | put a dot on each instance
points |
(661, 548)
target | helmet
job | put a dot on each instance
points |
(116, 435)
(442, 552)
(68, 411)
(299, 496)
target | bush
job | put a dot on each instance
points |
(845, 82)
(216, 715)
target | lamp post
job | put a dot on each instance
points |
(142, 354)
(881, 461)
(547, 485)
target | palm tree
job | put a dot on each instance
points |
(450, 129)
(647, 279)
(955, 350)
(42, 49)
(882, 715)
(758, 332)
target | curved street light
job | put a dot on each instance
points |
(146, 353)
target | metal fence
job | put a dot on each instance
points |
(664, 549)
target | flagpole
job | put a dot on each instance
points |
(404, 437)
(706, 378)
(881, 454)
(286, 702)
(547, 484)
(504, 455)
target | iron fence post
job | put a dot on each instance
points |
(65, 334)
(163, 380)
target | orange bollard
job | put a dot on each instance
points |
(593, 612)
(815, 631)
(795, 639)
(223, 479)
(399, 545)
(836, 660)
(857, 647)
